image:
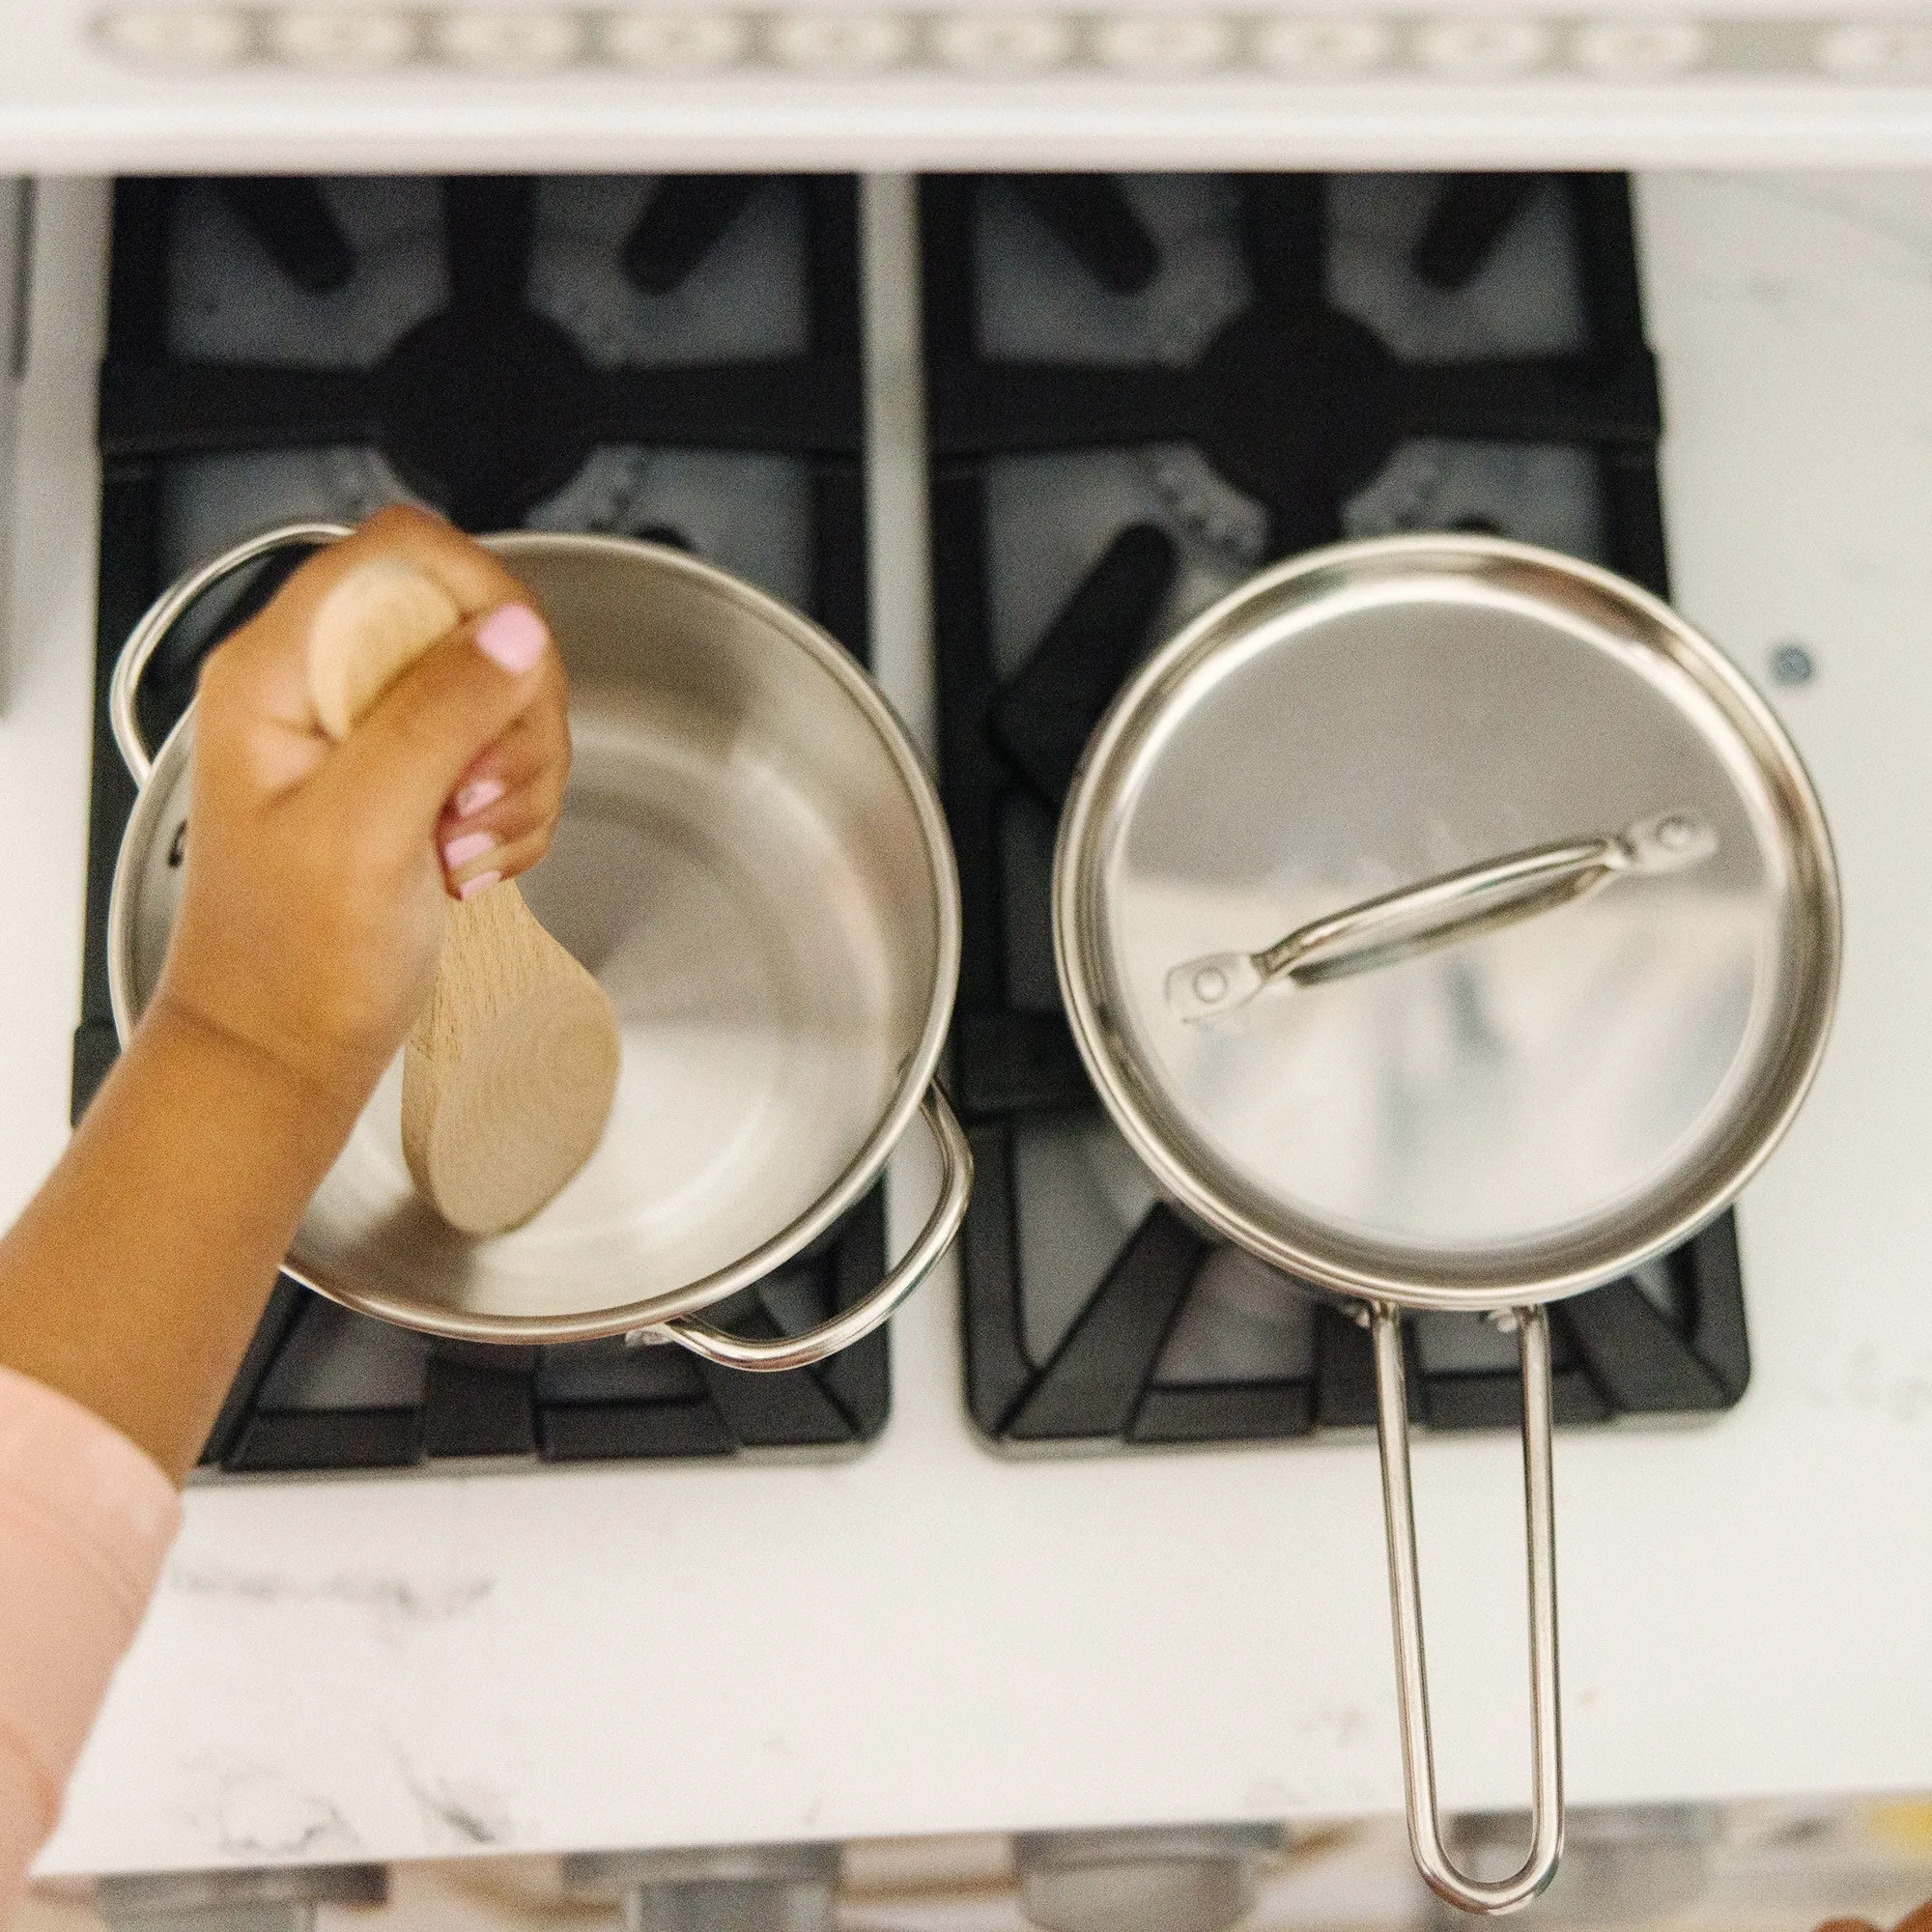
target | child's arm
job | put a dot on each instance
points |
(136, 1276)
(312, 910)
(311, 913)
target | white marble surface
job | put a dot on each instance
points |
(934, 1639)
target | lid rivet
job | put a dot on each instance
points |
(1676, 833)
(1211, 984)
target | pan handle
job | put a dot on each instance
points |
(796, 1351)
(1418, 1756)
(167, 610)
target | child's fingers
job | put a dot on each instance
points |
(474, 859)
(506, 838)
(269, 653)
(532, 758)
(411, 748)
(514, 816)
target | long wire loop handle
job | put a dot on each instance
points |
(1418, 1756)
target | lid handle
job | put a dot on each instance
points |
(1440, 911)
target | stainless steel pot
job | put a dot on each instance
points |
(753, 862)
(1561, 947)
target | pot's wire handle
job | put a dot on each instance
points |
(1418, 1756)
(168, 610)
(849, 1326)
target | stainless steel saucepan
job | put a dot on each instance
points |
(1561, 947)
(753, 862)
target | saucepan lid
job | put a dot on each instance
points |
(1446, 922)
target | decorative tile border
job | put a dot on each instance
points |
(665, 44)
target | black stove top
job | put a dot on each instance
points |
(678, 359)
(1140, 390)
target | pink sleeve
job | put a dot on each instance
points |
(85, 1520)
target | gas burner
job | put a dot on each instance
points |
(210, 502)
(675, 359)
(1232, 528)
(1294, 400)
(486, 404)
(1540, 493)
(1106, 269)
(749, 512)
(315, 349)
(680, 270)
(1141, 389)
(303, 274)
(1459, 268)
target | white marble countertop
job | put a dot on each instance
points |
(931, 1638)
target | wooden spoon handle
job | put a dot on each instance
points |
(510, 1070)
(370, 628)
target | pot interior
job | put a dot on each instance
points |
(755, 870)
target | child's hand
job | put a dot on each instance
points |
(318, 873)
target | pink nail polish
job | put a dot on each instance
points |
(513, 637)
(481, 883)
(471, 845)
(476, 797)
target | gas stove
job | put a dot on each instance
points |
(1142, 389)
(673, 358)
(931, 1638)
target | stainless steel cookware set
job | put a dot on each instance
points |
(1443, 922)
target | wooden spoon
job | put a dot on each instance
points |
(509, 1073)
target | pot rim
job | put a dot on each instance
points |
(1111, 1060)
(916, 1076)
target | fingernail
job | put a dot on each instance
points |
(512, 636)
(475, 796)
(459, 852)
(481, 883)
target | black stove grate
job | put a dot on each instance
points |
(1297, 405)
(483, 408)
